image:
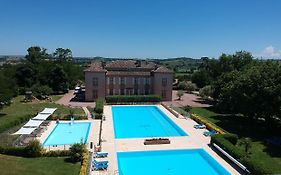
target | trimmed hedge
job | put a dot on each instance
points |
(84, 163)
(99, 106)
(56, 153)
(254, 165)
(208, 124)
(132, 98)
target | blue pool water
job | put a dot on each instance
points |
(143, 121)
(65, 134)
(169, 162)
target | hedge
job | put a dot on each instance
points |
(56, 153)
(99, 106)
(84, 163)
(255, 167)
(132, 98)
(208, 124)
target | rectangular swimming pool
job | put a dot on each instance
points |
(143, 121)
(68, 134)
(169, 162)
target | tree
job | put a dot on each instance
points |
(180, 93)
(58, 79)
(190, 87)
(36, 54)
(76, 152)
(6, 90)
(201, 78)
(63, 54)
(206, 91)
(26, 75)
(255, 91)
(182, 86)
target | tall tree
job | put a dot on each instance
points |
(63, 54)
(35, 54)
(58, 79)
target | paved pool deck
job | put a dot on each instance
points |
(195, 139)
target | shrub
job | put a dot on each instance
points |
(15, 151)
(190, 87)
(33, 149)
(206, 91)
(41, 90)
(57, 153)
(232, 138)
(182, 86)
(76, 151)
(180, 93)
(186, 108)
(84, 164)
(99, 106)
(208, 124)
(132, 98)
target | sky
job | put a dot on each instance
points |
(142, 28)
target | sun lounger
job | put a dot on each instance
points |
(100, 154)
(103, 162)
(100, 166)
(199, 126)
(209, 133)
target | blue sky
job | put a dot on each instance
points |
(142, 28)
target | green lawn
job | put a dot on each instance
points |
(10, 115)
(11, 165)
(18, 109)
(268, 155)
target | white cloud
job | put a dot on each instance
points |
(270, 52)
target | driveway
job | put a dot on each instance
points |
(66, 100)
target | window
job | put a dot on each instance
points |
(136, 91)
(163, 94)
(95, 81)
(122, 91)
(111, 80)
(146, 91)
(164, 81)
(136, 81)
(110, 91)
(95, 94)
(147, 81)
(122, 80)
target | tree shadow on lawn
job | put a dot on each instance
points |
(2, 114)
(244, 127)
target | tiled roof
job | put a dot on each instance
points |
(127, 67)
(95, 67)
(128, 73)
(162, 69)
(130, 64)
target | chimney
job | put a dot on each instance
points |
(103, 64)
(138, 63)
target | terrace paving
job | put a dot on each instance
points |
(187, 99)
(195, 139)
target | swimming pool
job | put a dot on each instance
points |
(169, 162)
(68, 134)
(143, 121)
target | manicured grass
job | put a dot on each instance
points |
(11, 117)
(269, 156)
(18, 109)
(11, 165)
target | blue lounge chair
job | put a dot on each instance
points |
(199, 126)
(99, 154)
(104, 162)
(100, 166)
(209, 133)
